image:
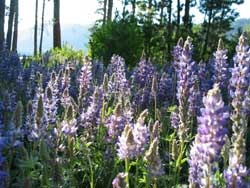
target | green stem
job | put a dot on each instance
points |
(91, 173)
(178, 163)
(103, 109)
(155, 107)
(127, 171)
(148, 179)
(155, 183)
(136, 172)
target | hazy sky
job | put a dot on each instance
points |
(83, 12)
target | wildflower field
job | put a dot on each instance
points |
(75, 123)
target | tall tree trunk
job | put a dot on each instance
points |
(35, 29)
(110, 8)
(169, 43)
(57, 28)
(15, 33)
(104, 11)
(178, 20)
(42, 28)
(10, 24)
(2, 16)
(133, 7)
(186, 15)
(210, 15)
(149, 29)
(161, 12)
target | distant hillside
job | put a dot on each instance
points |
(75, 35)
(242, 24)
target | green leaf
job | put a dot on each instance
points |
(172, 108)
(184, 160)
(88, 144)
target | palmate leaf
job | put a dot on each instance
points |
(30, 163)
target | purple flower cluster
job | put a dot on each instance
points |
(115, 123)
(120, 180)
(174, 119)
(3, 173)
(220, 66)
(141, 133)
(144, 73)
(69, 124)
(126, 144)
(184, 83)
(85, 82)
(90, 118)
(142, 84)
(117, 67)
(209, 141)
(153, 159)
(239, 83)
(134, 138)
(165, 88)
(205, 78)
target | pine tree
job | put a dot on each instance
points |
(15, 33)
(2, 16)
(57, 27)
(110, 9)
(10, 24)
(42, 29)
(35, 29)
(218, 17)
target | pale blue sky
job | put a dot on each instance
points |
(83, 12)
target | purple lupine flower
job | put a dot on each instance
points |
(177, 53)
(50, 107)
(128, 112)
(144, 73)
(85, 80)
(115, 123)
(69, 124)
(194, 96)
(98, 71)
(126, 144)
(220, 66)
(3, 173)
(174, 119)
(66, 79)
(90, 118)
(185, 73)
(118, 68)
(154, 130)
(65, 98)
(204, 77)
(37, 129)
(234, 177)
(239, 83)
(205, 151)
(53, 84)
(237, 172)
(14, 131)
(9, 101)
(240, 78)
(85, 77)
(39, 89)
(141, 133)
(153, 159)
(141, 99)
(29, 118)
(242, 51)
(120, 180)
(165, 89)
